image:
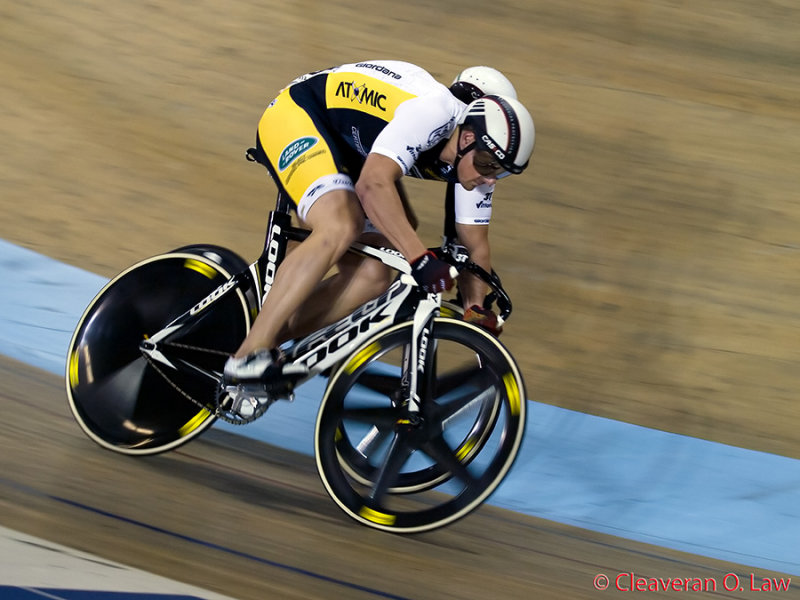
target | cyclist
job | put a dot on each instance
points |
(337, 142)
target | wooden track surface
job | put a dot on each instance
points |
(651, 251)
(253, 522)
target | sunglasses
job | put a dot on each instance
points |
(489, 168)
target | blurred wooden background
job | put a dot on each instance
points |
(652, 250)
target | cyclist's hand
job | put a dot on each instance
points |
(433, 275)
(483, 317)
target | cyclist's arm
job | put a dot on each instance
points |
(476, 239)
(418, 124)
(377, 191)
(409, 210)
(472, 213)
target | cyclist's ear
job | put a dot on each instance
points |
(466, 136)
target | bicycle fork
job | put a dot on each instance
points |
(417, 372)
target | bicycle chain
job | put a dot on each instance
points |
(218, 412)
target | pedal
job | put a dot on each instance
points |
(244, 403)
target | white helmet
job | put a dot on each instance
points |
(474, 82)
(504, 128)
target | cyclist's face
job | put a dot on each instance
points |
(480, 169)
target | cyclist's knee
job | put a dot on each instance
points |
(370, 276)
(376, 276)
(337, 235)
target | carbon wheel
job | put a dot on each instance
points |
(118, 398)
(391, 475)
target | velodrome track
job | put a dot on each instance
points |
(251, 521)
(650, 255)
(219, 497)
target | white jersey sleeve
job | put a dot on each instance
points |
(473, 207)
(418, 124)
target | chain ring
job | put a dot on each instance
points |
(219, 412)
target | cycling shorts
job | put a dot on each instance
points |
(304, 157)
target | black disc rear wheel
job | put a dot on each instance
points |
(119, 398)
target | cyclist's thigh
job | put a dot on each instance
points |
(352, 262)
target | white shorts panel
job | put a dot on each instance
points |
(323, 185)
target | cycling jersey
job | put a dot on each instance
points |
(317, 133)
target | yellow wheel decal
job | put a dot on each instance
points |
(360, 358)
(377, 517)
(200, 267)
(447, 311)
(513, 393)
(194, 422)
(73, 369)
(465, 449)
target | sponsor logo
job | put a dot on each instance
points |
(272, 259)
(315, 189)
(485, 202)
(212, 297)
(494, 148)
(361, 94)
(334, 338)
(328, 183)
(308, 76)
(341, 181)
(293, 150)
(440, 133)
(357, 141)
(380, 69)
(392, 251)
(414, 151)
(423, 351)
(300, 160)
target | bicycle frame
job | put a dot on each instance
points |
(402, 382)
(320, 350)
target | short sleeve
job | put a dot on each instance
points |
(418, 125)
(473, 207)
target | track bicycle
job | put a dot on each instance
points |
(422, 416)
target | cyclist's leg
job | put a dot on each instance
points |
(356, 281)
(305, 160)
(335, 221)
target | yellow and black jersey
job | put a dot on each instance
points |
(317, 133)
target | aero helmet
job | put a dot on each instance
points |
(474, 82)
(504, 128)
